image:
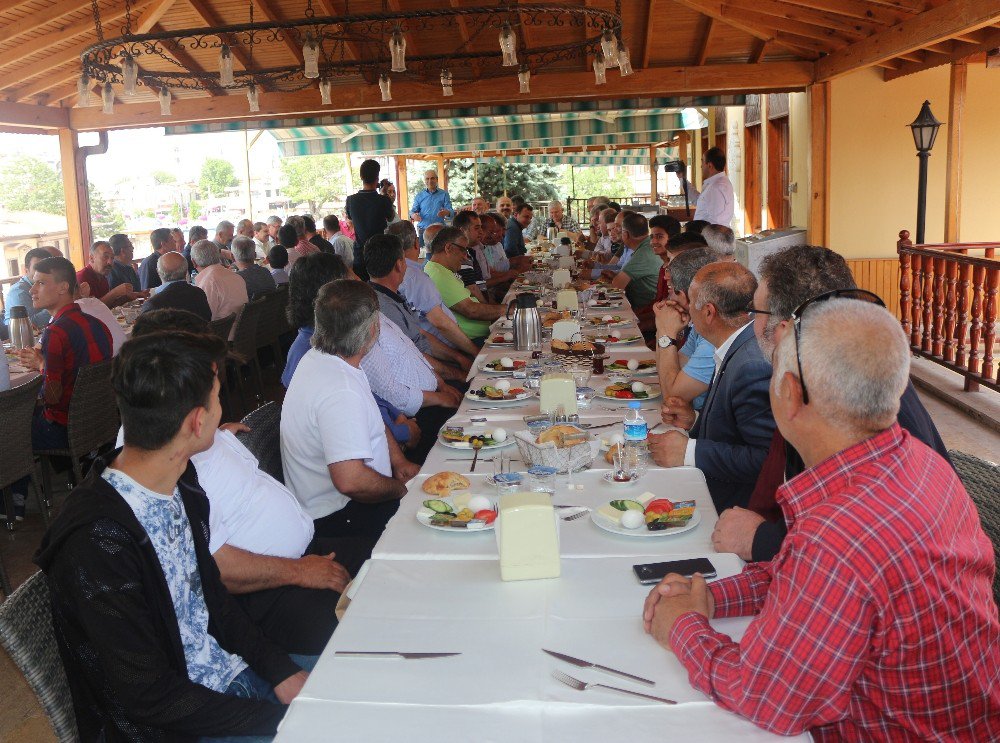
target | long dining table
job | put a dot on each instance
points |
(439, 591)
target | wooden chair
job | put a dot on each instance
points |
(982, 482)
(16, 457)
(222, 326)
(93, 421)
(27, 634)
(273, 323)
(243, 348)
(264, 438)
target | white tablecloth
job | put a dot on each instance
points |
(501, 688)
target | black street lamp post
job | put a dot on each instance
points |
(925, 129)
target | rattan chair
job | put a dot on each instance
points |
(222, 326)
(16, 458)
(27, 635)
(264, 438)
(272, 324)
(243, 348)
(93, 421)
(982, 482)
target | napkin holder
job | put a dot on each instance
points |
(565, 330)
(567, 262)
(557, 393)
(562, 250)
(567, 299)
(527, 533)
(561, 278)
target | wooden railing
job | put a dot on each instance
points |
(948, 305)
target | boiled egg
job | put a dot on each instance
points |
(503, 385)
(632, 519)
(616, 334)
(499, 435)
(592, 302)
(638, 387)
(508, 337)
(482, 503)
(618, 438)
(507, 362)
(607, 318)
(633, 364)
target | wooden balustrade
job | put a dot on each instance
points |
(948, 305)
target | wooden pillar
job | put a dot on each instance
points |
(74, 177)
(402, 189)
(442, 174)
(819, 165)
(953, 178)
(696, 157)
(652, 176)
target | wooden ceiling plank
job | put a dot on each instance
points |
(152, 15)
(647, 44)
(859, 9)
(34, 117)
(906, 6)
(44, 83)
(713, 9)
(757, 54)
(854, 28)
(39, 18)
(211, 18)
(958, 52)
(658, 81)
(950, 19)
(336, 8)
(798, 28)
(6, 5)
(272, 14)
(706, 39)
(186, 60)
(463, 27)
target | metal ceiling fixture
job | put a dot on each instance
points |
(378, 40)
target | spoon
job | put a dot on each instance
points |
(477, 444)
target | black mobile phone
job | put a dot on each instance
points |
(654, 572)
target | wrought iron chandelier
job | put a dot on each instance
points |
(378, 43)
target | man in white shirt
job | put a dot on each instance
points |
(716, 203)
(347, 473)
(226, 291)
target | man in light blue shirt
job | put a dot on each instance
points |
(20, 292)
(432, 205)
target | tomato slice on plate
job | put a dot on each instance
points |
(659, 505)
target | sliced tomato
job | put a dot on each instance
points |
(486, 515)
(660, 505)
(625, 395)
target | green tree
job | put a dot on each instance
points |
(314, 179)
(536, 183)
(104, 220)
(591, 180)
(30, 184)
(163, 178)
(216, 176)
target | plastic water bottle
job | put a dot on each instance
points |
(635, 450)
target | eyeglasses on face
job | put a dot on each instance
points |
(859, 294)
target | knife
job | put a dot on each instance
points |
(599, 667)
(390, 654)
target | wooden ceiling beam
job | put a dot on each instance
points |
(6, 5)
(152, 15)
(714, 9)
(859, 9)
(463, 27)
(45, 82)
(906, 6)
(186, 60)
(42, 17)
(757, 54)
(647, 44)
(958, 52)
(706, 39)
(211, 18)
(337, 8)
(272, 14)
(775, 23)
(564, 86)
(411, 46)
(853, 28)
(950, 19)
(33, 117)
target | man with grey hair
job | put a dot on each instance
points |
(245, 228)
(274, 223)
(876, 619)
(730, 438)
(557, 218)
(430, 206)
(258, 279)
(337, 459)
(721, 239)
(175, 292)
(226, 292)
(224, 232)
(122, 271)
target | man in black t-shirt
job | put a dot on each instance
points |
(315, 238)
(369, 212)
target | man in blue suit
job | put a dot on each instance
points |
(729, 440)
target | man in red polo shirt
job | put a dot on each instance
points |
(95, 274)
(876, 619)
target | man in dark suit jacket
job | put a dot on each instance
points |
(730, 438)
(175, 292)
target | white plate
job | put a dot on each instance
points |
(653, 390)
(487, 370)
(468, 447)
(590, 324)
(608, 341)
(607, 524)
(519, 398)
(650, 372)
(424, 519)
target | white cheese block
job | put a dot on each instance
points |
(561, 277)
(567, 299)
(566, 330)
(612, 513)
(555, 390)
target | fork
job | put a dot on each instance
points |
(583, 686)
(575, 516)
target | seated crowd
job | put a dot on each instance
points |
(872, 616)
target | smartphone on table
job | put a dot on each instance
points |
(654, 572)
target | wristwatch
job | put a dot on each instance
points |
(665, 341)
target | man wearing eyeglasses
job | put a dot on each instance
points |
(430, 206)
(448, 251)
(876, 621)
(790, 281)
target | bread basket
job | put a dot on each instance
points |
(579, 456)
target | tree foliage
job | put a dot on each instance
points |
(314, 179)
(536, 183)
(104, 220)
(163, 178)
(216, 176)
(30, 184)
(582, 182)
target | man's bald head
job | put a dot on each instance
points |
(172, 266)
(431, 232)
(727, 286)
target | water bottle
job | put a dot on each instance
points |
(635, 449)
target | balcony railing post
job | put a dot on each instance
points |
(917, 309)
(976, 333)
(937, 335)
(949, 311)
(989, 322)
(928, 286)
(962, 331)
(905, 281)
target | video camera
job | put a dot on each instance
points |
(680, 168)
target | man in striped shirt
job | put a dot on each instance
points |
(876, 620)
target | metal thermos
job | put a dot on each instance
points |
(551, 231)
(21, 333)
(527, 323)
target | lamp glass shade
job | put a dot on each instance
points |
(397, 51)
(508, 46)
(83, 90)
(226, 66)
(326, 91)
(253, 98)
(130, 74)
(385, 85)
(600, 69)
(925, 128)
(108, 98)
(524, 80)
(609, 45)
(446, 79)
(165, 101)
(310, 56)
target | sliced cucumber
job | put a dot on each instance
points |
(438, 506)
(625, 505)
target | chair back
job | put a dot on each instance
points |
(27, 635)
(16, 408)
(272, 321)
(264, 438)
(982, 482)
(244, 335)
(93, 410)
(222, 326)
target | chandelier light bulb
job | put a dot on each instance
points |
(624, 62)
(326, 91)
(83, 90)
(226, 66)
(108, 98)
(524, 80)
(130, 74)
(310, 55)
(165, 101)
(508, 45)
(253, 97)
(600, 69)
(609, 45)
(397, 50)
(385, 85)
(446, 79)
